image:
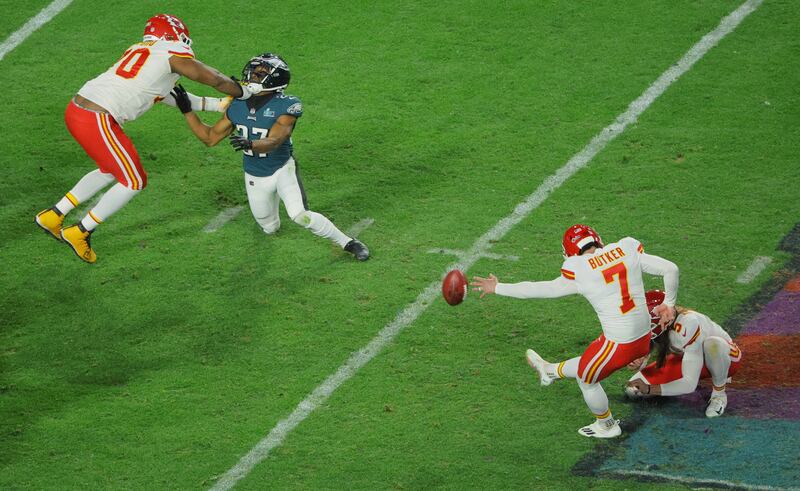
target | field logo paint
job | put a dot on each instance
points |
(481, 246)
(674, 441)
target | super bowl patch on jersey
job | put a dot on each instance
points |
(295, 108)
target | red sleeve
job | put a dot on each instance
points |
(567, 274)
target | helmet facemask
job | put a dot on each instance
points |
(267, 70)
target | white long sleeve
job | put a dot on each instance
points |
(691, 366)
(668, 270)
(558, 287)
(212, 104)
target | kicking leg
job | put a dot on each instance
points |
(548, 372)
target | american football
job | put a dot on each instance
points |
(454, 287)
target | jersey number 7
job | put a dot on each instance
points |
(621, 272)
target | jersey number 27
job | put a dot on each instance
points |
(258, 133)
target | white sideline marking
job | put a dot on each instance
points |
(359, 227)
(224, 217)
(408, 315)
(43, 17)
(459, 254)
(755, 268)
(713, 482)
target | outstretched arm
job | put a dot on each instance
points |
(210, 135)
(558, 287)
(200, 72)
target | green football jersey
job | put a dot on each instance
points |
(253, 118)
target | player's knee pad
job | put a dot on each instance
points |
(269, 225)
(715, 347)
(303, 219)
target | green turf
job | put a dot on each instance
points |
(164, 363)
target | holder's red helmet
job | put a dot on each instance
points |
(167, 27)
(578, 236)
(654, 299)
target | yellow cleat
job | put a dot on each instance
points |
(50, 221)
(78, 239)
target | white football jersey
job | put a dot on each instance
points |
(140, 78)
(611, 280)
(691, 330)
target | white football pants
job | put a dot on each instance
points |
(265, 193)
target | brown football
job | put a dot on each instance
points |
(454, 287)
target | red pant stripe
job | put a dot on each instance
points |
(114, 149)
(590, 378)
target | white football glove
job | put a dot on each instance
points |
(250, 89)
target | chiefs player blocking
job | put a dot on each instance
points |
(610, 277)
(690, 348)
(144, 75)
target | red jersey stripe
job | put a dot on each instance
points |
(694, 338)
(181, 54)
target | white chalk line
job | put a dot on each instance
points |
(755, 269)
(359, 227)
(691, 480)
(408, 315)
(224, 217)
(43, 17)
(459, 253)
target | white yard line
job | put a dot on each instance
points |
(16, 38)
(224, 217)
(755, 269)
(710, 482)
(458, 253)
(481, 246)
(359, 227)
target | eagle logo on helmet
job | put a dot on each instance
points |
(269, 70)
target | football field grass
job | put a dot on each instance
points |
(168, 360)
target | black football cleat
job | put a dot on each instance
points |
(358, 249)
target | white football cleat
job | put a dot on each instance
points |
(716, 406)
(602, 430)
(537, 363)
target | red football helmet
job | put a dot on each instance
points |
(654, 299)
(167, 27)
(576, 237)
